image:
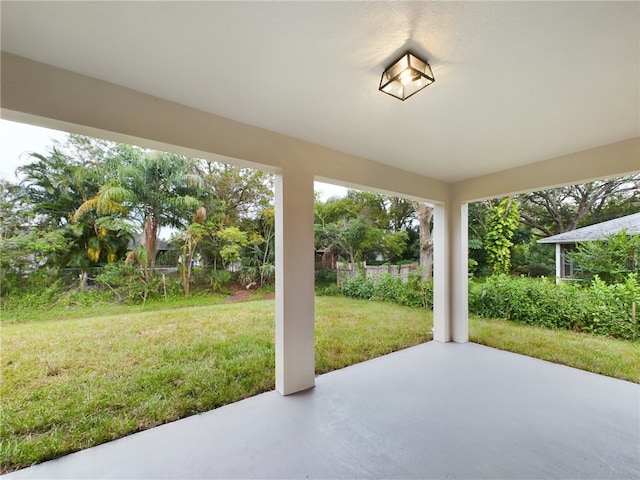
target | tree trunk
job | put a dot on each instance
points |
(84, 277)
(425, 212)
(151, 239)
(186, 266)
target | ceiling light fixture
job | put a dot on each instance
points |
(406, 76)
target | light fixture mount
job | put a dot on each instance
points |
(406, 76)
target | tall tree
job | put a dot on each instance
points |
(566, 208)
(242, 192)
(425, 214)
(192, 235)
(24, 246)
(363, 226)
(56, 185)
(158, 189)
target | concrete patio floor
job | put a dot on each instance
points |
(432, 411)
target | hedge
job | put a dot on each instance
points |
(597, 308)
(386, 288)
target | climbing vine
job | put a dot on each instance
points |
(502, 221)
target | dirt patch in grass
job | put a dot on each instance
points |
(244, 295)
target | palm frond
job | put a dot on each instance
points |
(85, 208)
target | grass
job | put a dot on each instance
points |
(70, 384)
(597, 354)
(26, 313)
(351, 331)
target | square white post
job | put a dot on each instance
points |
(295, 341)
(451, 280)
(559, 263)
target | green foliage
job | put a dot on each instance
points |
(559, 210)
(55, 186)
(530, 258)
(365, 225)
(414, 293)
(394, 244)
(129, 286)
(39, 289)
(239, 193)
(612, 308)
(220, 280)
(232, 241)
(24, 253)
(155, 188)
(502, 220)
(360, 287)
(599, 308)
(611, 260)
(324, 275)
(332, 290)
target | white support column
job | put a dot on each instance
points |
(451, 281)
(295, 343)
(558, 263)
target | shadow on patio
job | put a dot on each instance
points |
(432, 411)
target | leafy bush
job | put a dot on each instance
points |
(127, 283)
(40, 288)
(220, 280)
(324, 275)
(611, 260)
(332, 290)
(537, 270)
(612, 308)
(387, 288)
(599, 308)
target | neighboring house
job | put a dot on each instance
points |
(161, 245)
(566, 242)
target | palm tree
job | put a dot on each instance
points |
(56, 185)
(158, 189)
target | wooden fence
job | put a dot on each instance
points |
(347, 270)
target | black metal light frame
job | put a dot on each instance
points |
(406, 76)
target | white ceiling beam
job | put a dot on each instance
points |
(57, 98)
(607, 161)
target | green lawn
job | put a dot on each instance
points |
(70, 384)
(603, 355)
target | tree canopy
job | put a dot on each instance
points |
(88, 203)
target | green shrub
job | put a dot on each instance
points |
(417, 293)
(126, 282)
(332, 290)
(220, 280)
(599, 308)
(360, 287)
(612, 260)
(324, 275)
(40, 288)
(387, 288)
(611, 308)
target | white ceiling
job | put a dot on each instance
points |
(516, 82)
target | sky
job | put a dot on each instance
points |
(17, 139)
